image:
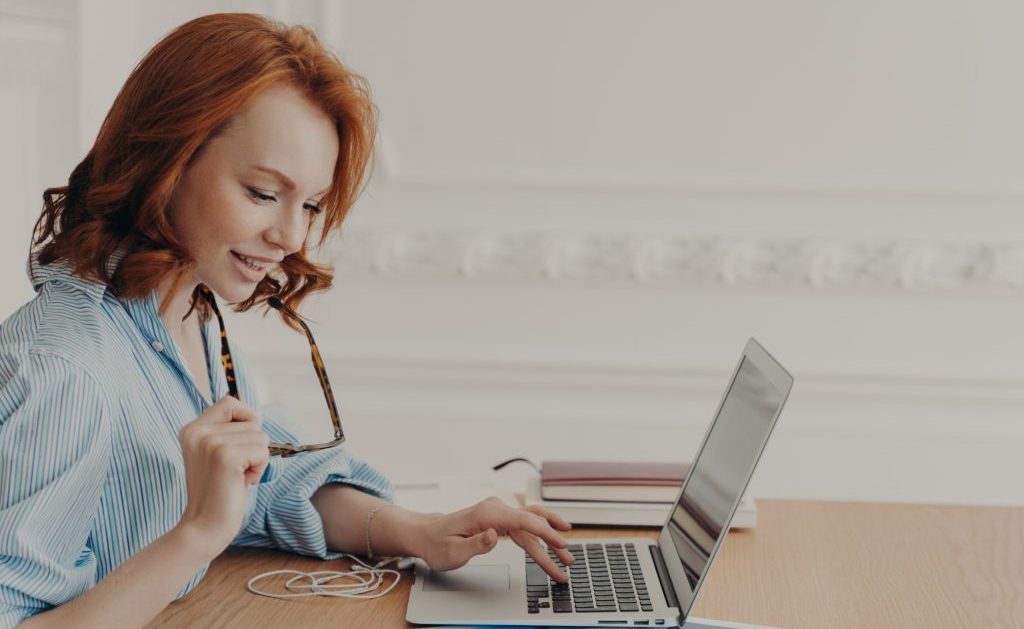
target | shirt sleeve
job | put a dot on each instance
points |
(282, 516)
(54, 453)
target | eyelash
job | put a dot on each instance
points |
(259, 196)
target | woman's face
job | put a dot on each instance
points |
(247, 200)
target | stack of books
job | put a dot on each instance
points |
(617, 493)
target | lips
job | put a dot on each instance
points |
(257, 264)
(254, 269)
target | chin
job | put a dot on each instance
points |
(233, 292)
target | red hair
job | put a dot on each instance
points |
(183, 92)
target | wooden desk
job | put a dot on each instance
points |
(808, 565)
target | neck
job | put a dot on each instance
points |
(175, 303)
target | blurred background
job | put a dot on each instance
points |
(581, 210)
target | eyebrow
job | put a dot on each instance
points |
(284, 178)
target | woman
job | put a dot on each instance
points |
(125, 467)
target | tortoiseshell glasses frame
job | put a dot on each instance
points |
(280, 449)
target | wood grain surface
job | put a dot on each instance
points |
(807, 565)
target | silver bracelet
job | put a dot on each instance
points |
(369, 519)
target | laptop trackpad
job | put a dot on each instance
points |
(486, 578)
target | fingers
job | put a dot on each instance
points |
(256, 458)
(228, 415)
(532, 546)
(493, 513)
(237, 446)
(553, 518)
(533, 523)
(560, 523)
(564, 555)
(466, 548)
(198, 434)
(228, 409)
(203, 431)
(249, 457)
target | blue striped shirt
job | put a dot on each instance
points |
(93, 392)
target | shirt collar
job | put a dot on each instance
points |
(61, 271)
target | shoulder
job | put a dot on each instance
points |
(53, 409)
(54, 354)
(63, 326)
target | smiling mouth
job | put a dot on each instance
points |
(253, 264)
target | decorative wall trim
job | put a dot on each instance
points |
(654, 259)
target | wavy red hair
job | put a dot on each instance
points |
(184, 91)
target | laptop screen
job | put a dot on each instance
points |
(724, 465)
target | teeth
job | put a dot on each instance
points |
(252, 264)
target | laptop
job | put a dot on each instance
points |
(626, 582)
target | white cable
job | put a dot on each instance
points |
(367, 579)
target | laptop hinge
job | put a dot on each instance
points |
(666, 581)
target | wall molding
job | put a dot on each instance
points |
(876, 264)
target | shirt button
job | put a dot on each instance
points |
(158, 346)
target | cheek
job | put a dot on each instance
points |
(238, 223)
(221, 220)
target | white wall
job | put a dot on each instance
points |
(581, 210)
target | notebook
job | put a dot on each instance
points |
(612, 481)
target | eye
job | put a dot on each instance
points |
(313, 208)
(260, 196)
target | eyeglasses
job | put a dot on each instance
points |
(283, 450)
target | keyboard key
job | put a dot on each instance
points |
(561, 606)
(603, 578)
(535, 575)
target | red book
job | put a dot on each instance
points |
(612, 481)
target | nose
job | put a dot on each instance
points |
(289, 231)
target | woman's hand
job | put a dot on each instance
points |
(225, 451)
(449, 541)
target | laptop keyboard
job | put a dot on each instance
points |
(604, 578)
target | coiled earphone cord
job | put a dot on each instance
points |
(364, 581)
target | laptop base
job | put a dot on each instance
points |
(707, 623)
(692, 623)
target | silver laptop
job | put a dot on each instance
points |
(626, 582)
